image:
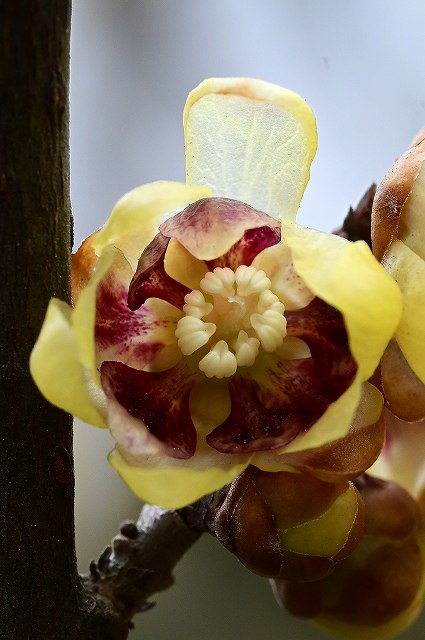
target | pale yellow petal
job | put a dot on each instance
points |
(178, 484)
(347, 276)
(408, 270)
(135, 219)
(57, 371)
(250, 140)
(182, 266)
(287, 284)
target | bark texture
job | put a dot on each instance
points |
(36, 510)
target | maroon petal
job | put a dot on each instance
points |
(251, 426)
(209, 228)
(322, 328)
(151, 280)
(247, 248)
(159, 400)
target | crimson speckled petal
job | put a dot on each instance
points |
(212, 221)
(322, 328)
(159, 400)
(131, 337)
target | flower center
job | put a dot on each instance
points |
(229, 319)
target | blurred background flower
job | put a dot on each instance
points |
(359, 65)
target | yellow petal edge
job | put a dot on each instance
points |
(135, 219)
(348, 277)
(173, 487)
(57, 371)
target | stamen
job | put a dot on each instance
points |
(219, 282)
(268, 300)
(246, 349)
(193, 333)
(270, 328)
(250, 280)
(219, 362)
(196, 305)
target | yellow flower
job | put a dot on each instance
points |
(398, 237)
(209, 331)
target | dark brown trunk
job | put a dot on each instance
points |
(40, 592)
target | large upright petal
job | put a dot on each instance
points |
(250, 140)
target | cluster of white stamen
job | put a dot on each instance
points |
(241, 312)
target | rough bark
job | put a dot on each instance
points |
(36, 532)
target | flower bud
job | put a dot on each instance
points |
(378, 590)
(289, 525)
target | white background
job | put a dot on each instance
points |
(360, 65)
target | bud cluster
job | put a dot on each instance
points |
(289, 525)
(344, 554)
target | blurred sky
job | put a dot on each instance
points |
(361, 66)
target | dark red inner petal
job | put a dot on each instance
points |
(296, 392)
(253, 427)
(160, 400)
(322, 328)
(247, 248)
(151, 280)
